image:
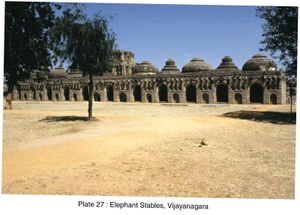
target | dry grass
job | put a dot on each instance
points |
(149, 150)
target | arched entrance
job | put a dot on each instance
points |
(205, 98)
(67, 93)
(176, 97)
(49, 93)
(110, 93)
(25, 97)
(273, 99)
(41, 97)
(191, 93)
(163, 93)
(137, 93)
(85, 94)
(123, 97)
(149, 97)
(238, 98)
(256, 94)
(57, 97)
(97, 97)
(222, 93)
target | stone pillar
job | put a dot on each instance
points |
(212, 95)
(116, 96)
(170, 96)
(198, 96)
(144, 95)
(281, 96)
(266, 96)
(231, 94)
(245, 97)
(182, 96)
(155, 95)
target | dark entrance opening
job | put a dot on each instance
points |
(238, 98)
(57, 97)
(66, 93)
(137, 93)
(256, 93)
(97, 97)
(149, 98)
(222, 93)
(176, 97)
(191, 93)
(74, 97)
(41, 97)
(25, 97)
(110, 93)
(273, 99)
(163, 93)
(123, 97)
(205, 98)
(49, 93)
(85, 94)
(34, 95)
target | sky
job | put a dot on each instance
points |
(158, 32)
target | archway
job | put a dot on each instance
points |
(49, 93)
(205, 98)
(123, 97)
(163, 93)
(238, 98)
(176, 97)
(191, 93)
(110, 93)
(85, 94)
(256, 93)
(137, 93)
(149, 97)
(41, 97)
(57, 97)
(273, 99)
(222, 93)
(25, 97)
(97, 97)
(67, 93)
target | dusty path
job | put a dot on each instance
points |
(146, 150)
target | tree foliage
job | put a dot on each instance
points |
(27, 27)
(280, 32)
(87, 43)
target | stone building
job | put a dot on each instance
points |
(258, 81)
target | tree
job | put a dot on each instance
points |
(87, 43)
(27, 27)
(280, 32)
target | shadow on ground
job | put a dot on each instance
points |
(264, 116)
(64, 118)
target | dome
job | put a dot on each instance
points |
(170, 67)
(196, 65)
(260, 62)
(58, 73)
(227, 64)
(144, 68)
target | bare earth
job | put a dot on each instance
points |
(136, 149)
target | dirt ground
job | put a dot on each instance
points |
(135, 149)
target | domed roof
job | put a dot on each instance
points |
(260, 62)
(58, 73)
(170, 67)
(196, 65)
(227, 64)
(144, 68)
